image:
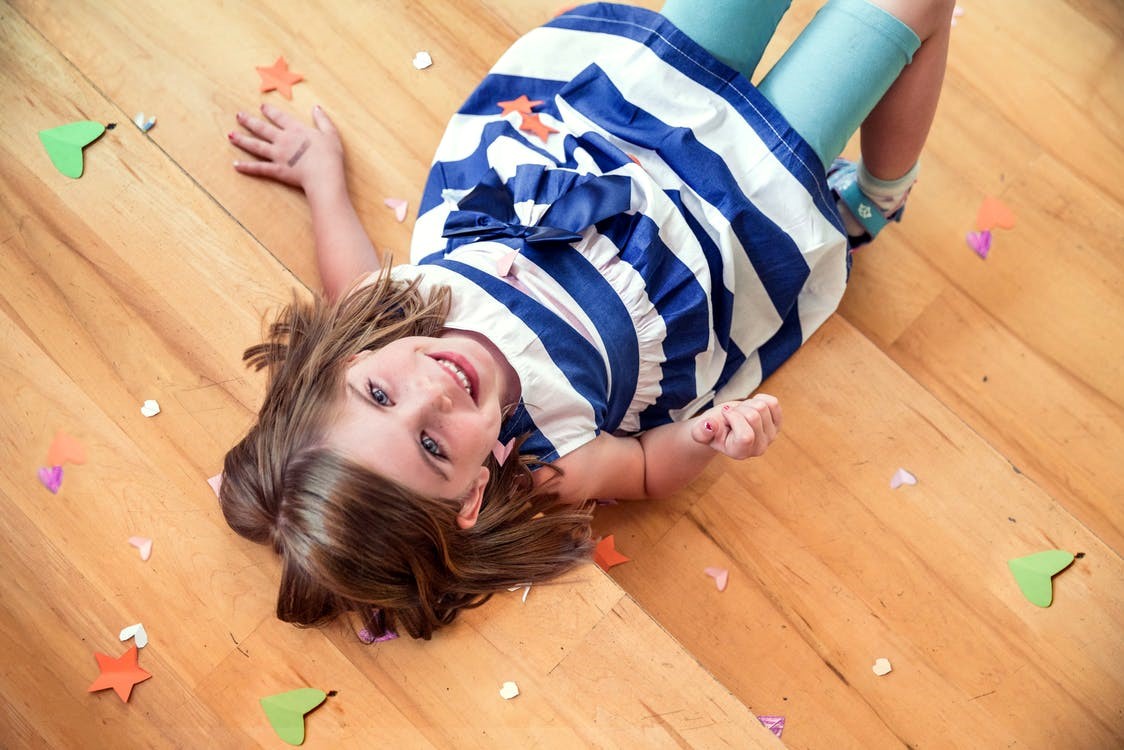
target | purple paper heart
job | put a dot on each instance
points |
(774, 724)
(51, 478)
(980, 242)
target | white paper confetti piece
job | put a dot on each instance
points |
(526, 590)
(901, 476)
(720, 575)
(509, 690)
(400, 208)
(150, 408)
(145, 125)
(422, 60)
(137, 633)
(882, 667)
(216, 483)
(144, 544)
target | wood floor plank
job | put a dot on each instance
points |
(850, 570)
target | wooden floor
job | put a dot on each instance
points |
(999, 383)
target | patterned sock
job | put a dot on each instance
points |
(888, 195)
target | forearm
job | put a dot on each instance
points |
(343, 250)
(672, 458)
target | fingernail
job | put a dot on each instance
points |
(236, 164)
(708, 426)
(230, 135)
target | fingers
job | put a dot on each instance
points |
(323, 122)
(251, 145)
(279, 117)
(259, 169)
(264, 130)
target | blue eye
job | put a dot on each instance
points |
(378, 395)
(430, 445)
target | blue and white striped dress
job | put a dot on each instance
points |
(676, 240)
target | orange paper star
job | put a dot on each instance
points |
(532, 124)
(278, 77)
(120, 673)
(606, 556)
(522, 105)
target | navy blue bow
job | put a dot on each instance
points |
(488, 212)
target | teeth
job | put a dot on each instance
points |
(459, 373)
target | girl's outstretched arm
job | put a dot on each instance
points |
(665, 459)
(311, 158)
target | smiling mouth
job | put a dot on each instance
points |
(458, 374)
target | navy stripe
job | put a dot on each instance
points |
(485, 101)
(782, 345)
(773, 253)
(682, 53)
(678, 298)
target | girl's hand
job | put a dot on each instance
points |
(291, 152)
(739, 429)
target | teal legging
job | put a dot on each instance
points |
(831, 77)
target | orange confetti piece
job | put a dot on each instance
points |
(994, 213)
(65, 448)
(523, 105)
(120, 673)
(532, 124)
(278, 77)
(606, 555)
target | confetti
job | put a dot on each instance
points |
(144, 544)
(605, 554)
(901, 476)
(980, 242)
(509, 690)
(522, 105)
(882, 667)
(286, 711)
(994, 213)
(120, 673)
(1035, 573)
(137, 633)
(400, 208)
(422, 60)
(150, 408)
(216, 483)
(279, 78)
(145, 125)
(505, 262)
(526, 590)
(65, 448)
(720, 575)
(64, 144)
(774, 724)
(532, 124)
(51, 478)
(368, 637)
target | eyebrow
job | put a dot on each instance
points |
(426, 457)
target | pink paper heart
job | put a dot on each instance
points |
(720, 575)
(368, 637)
(980, 242)
(400, 207)
(216, 483)
(901, 476)
(504, 263)
(144, 544)
(502, 450)
(51, 478)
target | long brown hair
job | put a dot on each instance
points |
(349, 539)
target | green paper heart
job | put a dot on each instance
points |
(1034, 574)
(65, 143)
(286, 711)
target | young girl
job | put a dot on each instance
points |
(619, 239)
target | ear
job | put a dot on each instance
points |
(470, 505)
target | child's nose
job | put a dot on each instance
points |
(436, 393)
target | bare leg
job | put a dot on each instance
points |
(894, 132)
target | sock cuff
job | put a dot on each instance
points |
(877, 188)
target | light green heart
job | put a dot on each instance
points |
(286, 711)
(1035, 573)
(64, 144)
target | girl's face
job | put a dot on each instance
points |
(425, 412)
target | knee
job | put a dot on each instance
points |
(925, 17)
